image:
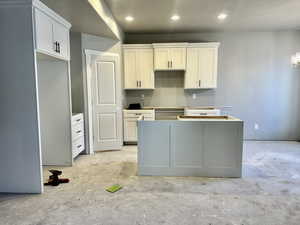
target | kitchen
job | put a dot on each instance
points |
(197, 63)
(185, 103)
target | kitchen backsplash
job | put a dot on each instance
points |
(169, 91)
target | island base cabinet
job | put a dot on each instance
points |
(185, 148)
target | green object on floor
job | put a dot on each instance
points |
(114, 188)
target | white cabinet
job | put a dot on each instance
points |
(202, 64)
(170, 56)
(52, 34)
(161, 59)
(198, 60)
(130, 130)
(43, 26)
(61, 37)
(130, 122)
(77, 134)
(138, 67)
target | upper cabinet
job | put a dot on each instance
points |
(198, 60)
(138, 67)
(202, 64)
(51, 33)
(170, 56)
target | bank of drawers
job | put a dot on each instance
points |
(77, 134)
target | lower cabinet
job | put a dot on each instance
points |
(77, 134)
(130, 129)
(130, 122)
(190, 148)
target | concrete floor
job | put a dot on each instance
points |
(268, 193)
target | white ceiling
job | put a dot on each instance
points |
(201, 15)
(81, 15)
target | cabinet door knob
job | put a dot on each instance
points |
(168, 64)
(199, 83)
(140, 83)
(137, 83)
(171, 64)
(58, 47)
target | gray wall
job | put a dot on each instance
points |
(255, 79)
(76, 72)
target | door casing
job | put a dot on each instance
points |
(88, 106)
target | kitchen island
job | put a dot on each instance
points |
(191, 146)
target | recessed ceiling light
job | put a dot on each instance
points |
(222, 16)
(129, 18)
(175, 17)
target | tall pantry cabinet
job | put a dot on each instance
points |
(35, 78)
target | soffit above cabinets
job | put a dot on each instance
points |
(82, 16)
(153, 16)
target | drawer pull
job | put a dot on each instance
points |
(78, 146)
(78, 120)
(138, 114)
(79, 131)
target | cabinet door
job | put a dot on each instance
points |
(61, 35)
(161, 59)
(191, 79)
(44, 32)
(145, 68)
(177, 58)
(130, 129)
(130, 65)
(208, 67)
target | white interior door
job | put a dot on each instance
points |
(106, 102)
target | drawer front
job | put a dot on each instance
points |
(202, 113)
(138, 113)
(78, 146)
(78, 118)
(77, 130)
(149, 118)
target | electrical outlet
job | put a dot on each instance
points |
(256, 126)
(194, 96)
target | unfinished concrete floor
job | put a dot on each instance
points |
(268, 193)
